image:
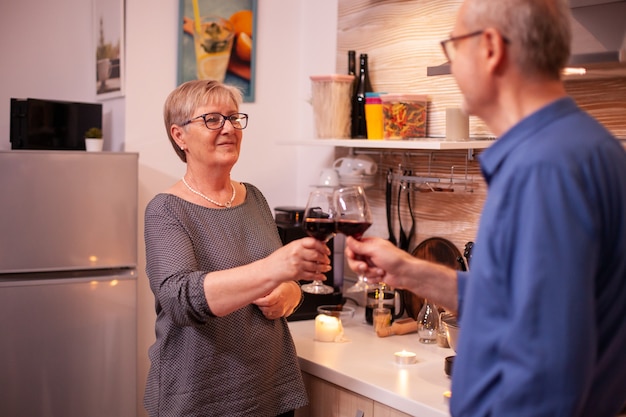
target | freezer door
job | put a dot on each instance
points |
(68, 347)
(67, 210)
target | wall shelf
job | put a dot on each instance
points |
(426, 144)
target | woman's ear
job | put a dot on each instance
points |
(178, 134)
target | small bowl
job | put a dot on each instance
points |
(344, 313)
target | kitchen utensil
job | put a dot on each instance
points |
(409, 198)
(434, 249)
(399, 327)
(344, 313)
(451, 324)
(388, 189)
(355, 165)
(329, 177)
(391, 299)
(469, 246)
(365, 181)
(402, 243)
(448, 365)
(442, 336)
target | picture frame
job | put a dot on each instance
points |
(108, 23)
(226, 39)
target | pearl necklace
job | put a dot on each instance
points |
(228, 204)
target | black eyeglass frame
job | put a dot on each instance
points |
(445, 42)
(232, 118)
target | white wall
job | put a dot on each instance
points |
(47, 52)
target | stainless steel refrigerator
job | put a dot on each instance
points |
(68, 259)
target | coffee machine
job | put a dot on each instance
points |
(289, 221)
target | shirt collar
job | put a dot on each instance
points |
(523, 131)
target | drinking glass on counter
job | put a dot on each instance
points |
(319, 222)
(354, 217)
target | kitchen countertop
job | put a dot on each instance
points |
(365, 365)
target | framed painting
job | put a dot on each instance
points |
(217, 40)
(108, 26)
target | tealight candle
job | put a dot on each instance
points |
(327, 328)
(405, 358)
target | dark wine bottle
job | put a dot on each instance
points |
(352, 71)
(364, 85)
(352, 63)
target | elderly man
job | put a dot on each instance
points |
(543, 310)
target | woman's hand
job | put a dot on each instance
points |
(302, 259)
(281, 302)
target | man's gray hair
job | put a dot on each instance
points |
(539, 31)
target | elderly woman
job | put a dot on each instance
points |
(222, 281)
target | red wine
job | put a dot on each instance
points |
(320, 229)
(352, 228)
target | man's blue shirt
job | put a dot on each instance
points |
(543, 309)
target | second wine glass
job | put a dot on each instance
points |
(319, 222)
(354, 217)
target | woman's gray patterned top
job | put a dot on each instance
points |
(241, 364)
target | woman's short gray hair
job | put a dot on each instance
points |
(187, 97)
(539, 31)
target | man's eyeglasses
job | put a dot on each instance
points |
(449, 47)
(215, 121)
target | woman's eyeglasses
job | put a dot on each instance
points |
(215, 121)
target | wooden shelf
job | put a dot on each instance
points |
(425, 144)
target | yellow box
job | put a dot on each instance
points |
(404, 116)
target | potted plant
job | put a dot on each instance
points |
(93, 139)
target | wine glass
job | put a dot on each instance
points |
(319, 222)
(353, 219)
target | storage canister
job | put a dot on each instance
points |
(404, 116)
(374, 115)
(331, 100)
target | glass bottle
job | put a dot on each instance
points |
(428, 323)
(352, 63)
(352, 71)
(364, 85)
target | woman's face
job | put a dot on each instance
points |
(213, 148)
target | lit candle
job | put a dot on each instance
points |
(327, 328)
(405, 358)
